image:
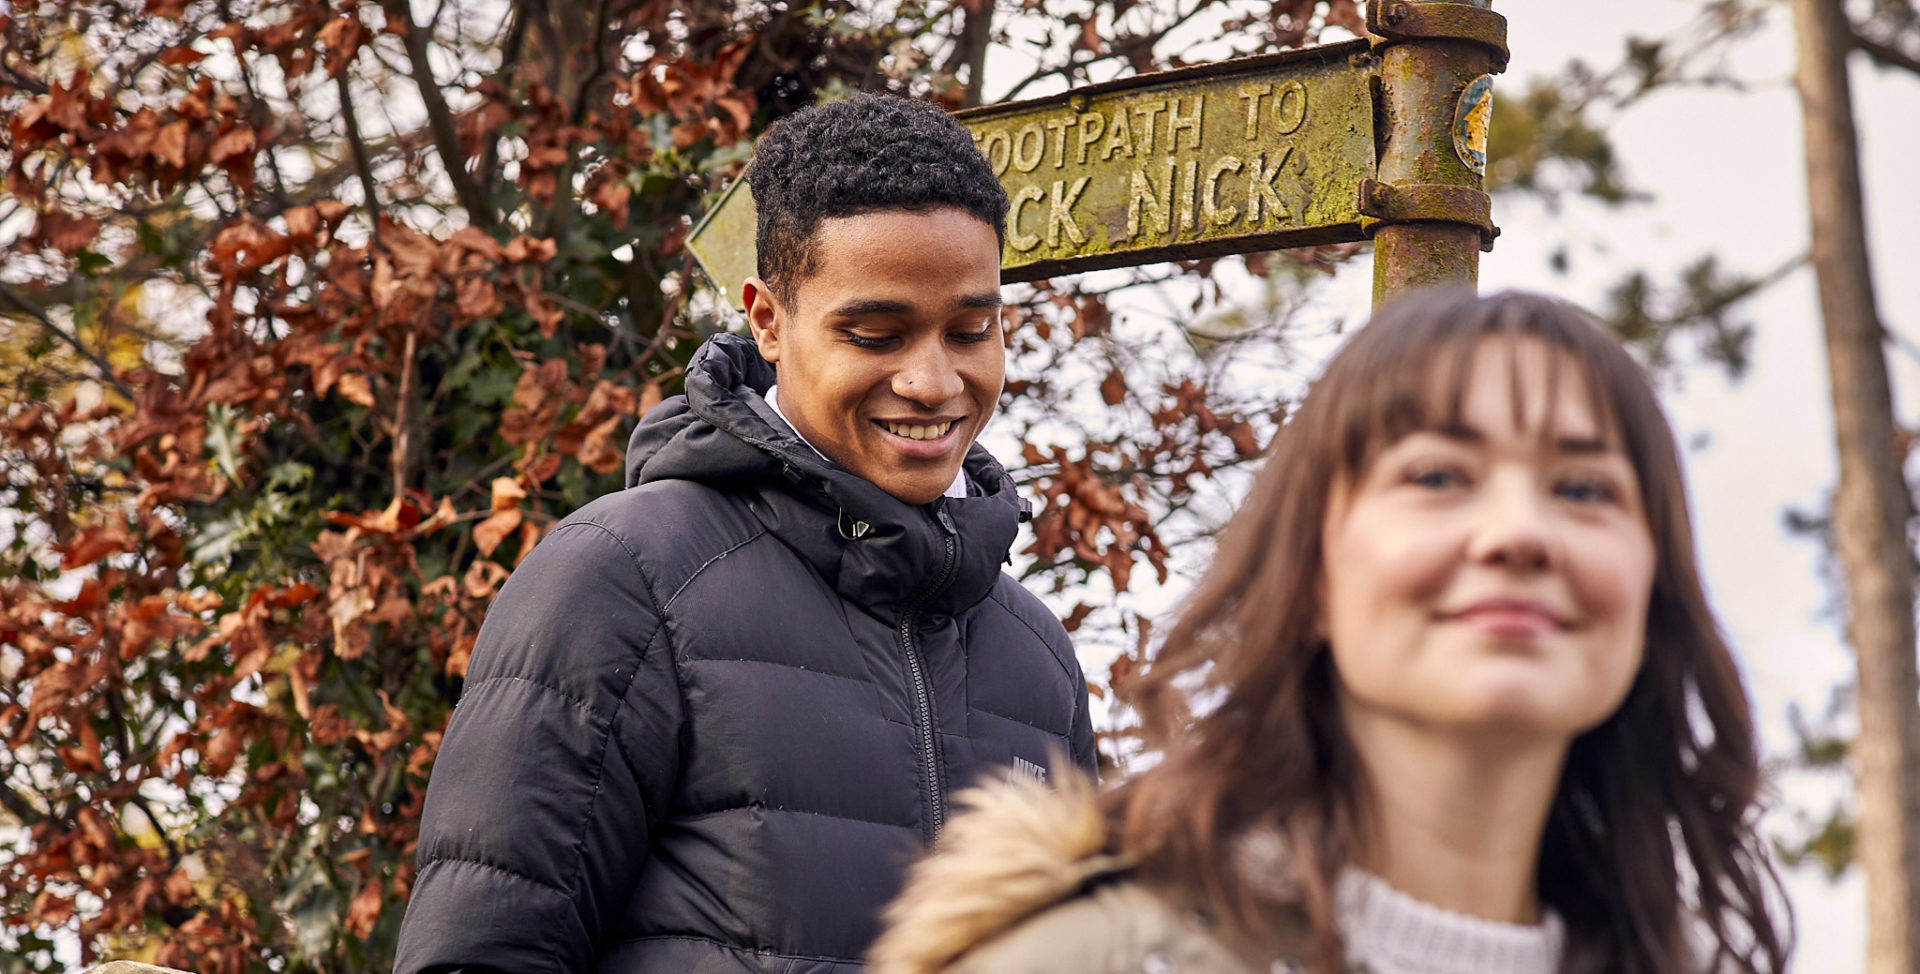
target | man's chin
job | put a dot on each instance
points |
(916, 495)
(917, 488)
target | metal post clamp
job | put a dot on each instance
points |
(1389, 203)
(1397, 21)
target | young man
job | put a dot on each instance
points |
(711, 718)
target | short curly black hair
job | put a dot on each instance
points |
(860, 155)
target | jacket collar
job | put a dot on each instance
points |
(882, 554)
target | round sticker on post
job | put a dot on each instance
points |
(1470, 117)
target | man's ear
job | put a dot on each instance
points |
(765, 317)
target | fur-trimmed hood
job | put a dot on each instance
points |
(1021, 847)
(1025, 883)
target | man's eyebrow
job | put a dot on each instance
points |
(872, 306)
(886, 306)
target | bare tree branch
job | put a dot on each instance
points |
(509, 57)
(404, 421)
(1886, 55)
(173, 851)
(971, 50)
(18, 805)
(10, 296)
(358, 145)
(596, 67)
(446, 138)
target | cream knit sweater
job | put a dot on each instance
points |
(1389, 932)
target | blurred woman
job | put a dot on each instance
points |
(1450, 698)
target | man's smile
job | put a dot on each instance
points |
(916, 431)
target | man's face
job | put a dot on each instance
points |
(890, 355)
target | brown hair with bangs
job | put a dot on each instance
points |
(1653, 828)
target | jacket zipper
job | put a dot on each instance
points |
(922, 695)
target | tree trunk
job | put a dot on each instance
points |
(1872, 507)
(975, 38)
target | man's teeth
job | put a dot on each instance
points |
(917, 432)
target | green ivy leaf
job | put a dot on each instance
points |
(90, 261)
(224, 440)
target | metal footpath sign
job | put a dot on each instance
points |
(1253, 154)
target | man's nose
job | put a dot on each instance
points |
(928, 376)
(1514, 529)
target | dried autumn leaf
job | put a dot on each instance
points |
(1246, 444)
(525, 249)
(84, 756)
(488, 534)
(222, 749)
(476, 298)
(507, 494)
(332, 210)
(1346, 13)
(543, 313)
(539, 469)
(612, 198)
(603, 449)
(1092, 317)
(179, 56)
(529, 536)
(303, 222)
(67, 104)
(94, 542)
(170, 145)
(1113, 389)
(63, 231)
(355, 387)
(345, 612)
(364, 911)
(1077, 616)
(687, 134)
(290, 596)
(483, 577)
(237, 142)
(442, 516)
(51, 909)
(547, 156)
(458, 656)
(197, 602)
(89, 598)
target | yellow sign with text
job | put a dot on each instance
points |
(1257, 153)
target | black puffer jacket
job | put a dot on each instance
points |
(703, 731)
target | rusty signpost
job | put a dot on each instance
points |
(1435, 70)
(1382, 137)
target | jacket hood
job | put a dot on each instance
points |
(1022, 847)
(878, 551)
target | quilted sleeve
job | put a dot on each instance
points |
(1084, 755)
(556, 765)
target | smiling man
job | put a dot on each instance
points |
(711, 718)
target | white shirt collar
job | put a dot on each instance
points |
(956, 489)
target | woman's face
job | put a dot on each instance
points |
(1495, 576)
